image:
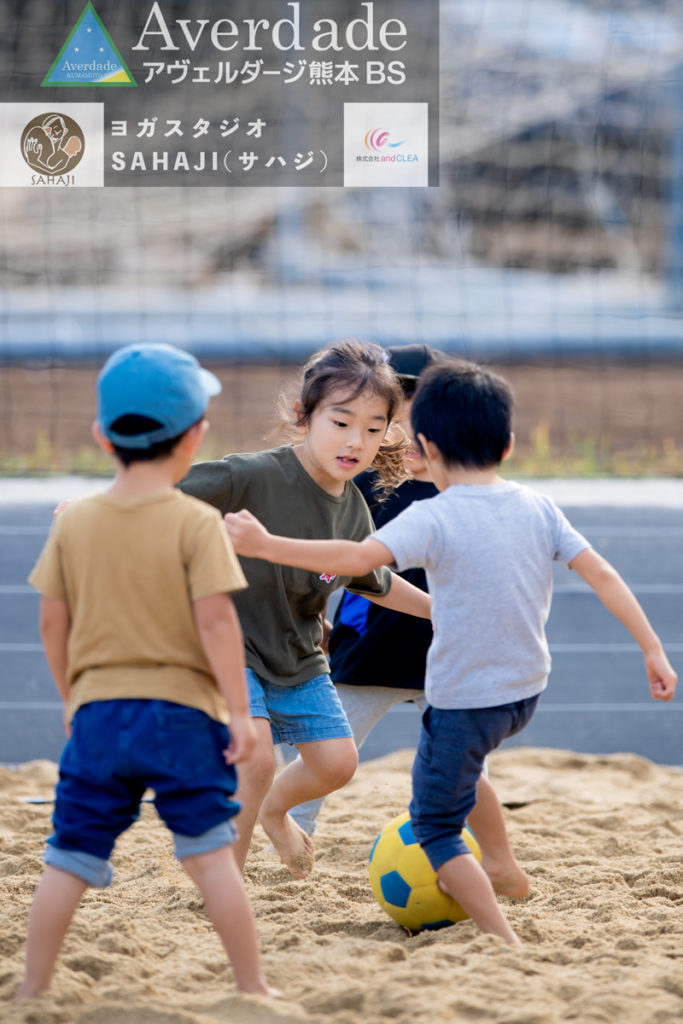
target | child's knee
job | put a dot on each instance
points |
(340, 769)
(259, 768)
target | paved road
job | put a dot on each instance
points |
(597, 700)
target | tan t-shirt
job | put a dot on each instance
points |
(129, 570)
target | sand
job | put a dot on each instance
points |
(602, 928)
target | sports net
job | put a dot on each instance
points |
(551, 248)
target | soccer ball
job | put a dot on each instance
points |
(403, 882)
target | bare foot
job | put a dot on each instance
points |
(262, 989)
(507, 879)
(292, 845)
(512, 883)
(26, 991)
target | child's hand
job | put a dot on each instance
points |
(246, 533)
(64, 503)
(242, 739)
(662, 677)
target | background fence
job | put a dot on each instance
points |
(552, 248)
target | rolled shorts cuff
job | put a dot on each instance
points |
(95, 871)
(440, 851)
(221, 835)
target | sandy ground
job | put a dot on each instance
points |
(602, 928)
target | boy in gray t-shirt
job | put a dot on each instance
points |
(487, 546)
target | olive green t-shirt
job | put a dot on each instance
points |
(129, 570)
(281, 612)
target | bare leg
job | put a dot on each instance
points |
(364, 707)
(498, 861)
(218, 878)
(465, 880)
(323, 766)
(254, 779)
(54, 904)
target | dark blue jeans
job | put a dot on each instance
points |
(450, 758)
(119, 748)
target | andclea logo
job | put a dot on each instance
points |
(376, 138)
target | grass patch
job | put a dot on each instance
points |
(587, 456)
(539, 457)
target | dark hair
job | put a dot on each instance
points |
(132, 424)
(352, 367)
(466, 411)
(408, 386)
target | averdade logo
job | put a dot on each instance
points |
(52, 144)
(89, 57)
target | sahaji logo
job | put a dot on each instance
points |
(52, 144)
(89, 56)
(377, 138)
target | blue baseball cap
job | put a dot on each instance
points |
(160, 382)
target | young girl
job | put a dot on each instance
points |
(377, 656)
(349, 394)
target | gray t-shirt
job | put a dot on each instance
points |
(488, 553)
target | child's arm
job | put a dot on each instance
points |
(620, 601)
(343, 557)
(55, 624)
(223, 643)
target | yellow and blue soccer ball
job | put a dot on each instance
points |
(404, 883)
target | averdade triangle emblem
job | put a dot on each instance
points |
(89, 56)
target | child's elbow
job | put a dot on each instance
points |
(363, 559)
(53, 617)
(213, 614)
(359, 566)
(597, 572)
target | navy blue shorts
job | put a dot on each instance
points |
(117, 750)
(454, 744)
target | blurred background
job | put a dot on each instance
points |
(552, 249)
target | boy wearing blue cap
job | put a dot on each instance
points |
(148, 685)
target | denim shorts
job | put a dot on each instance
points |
(118, 749)
(450, 757)
(303, 713)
